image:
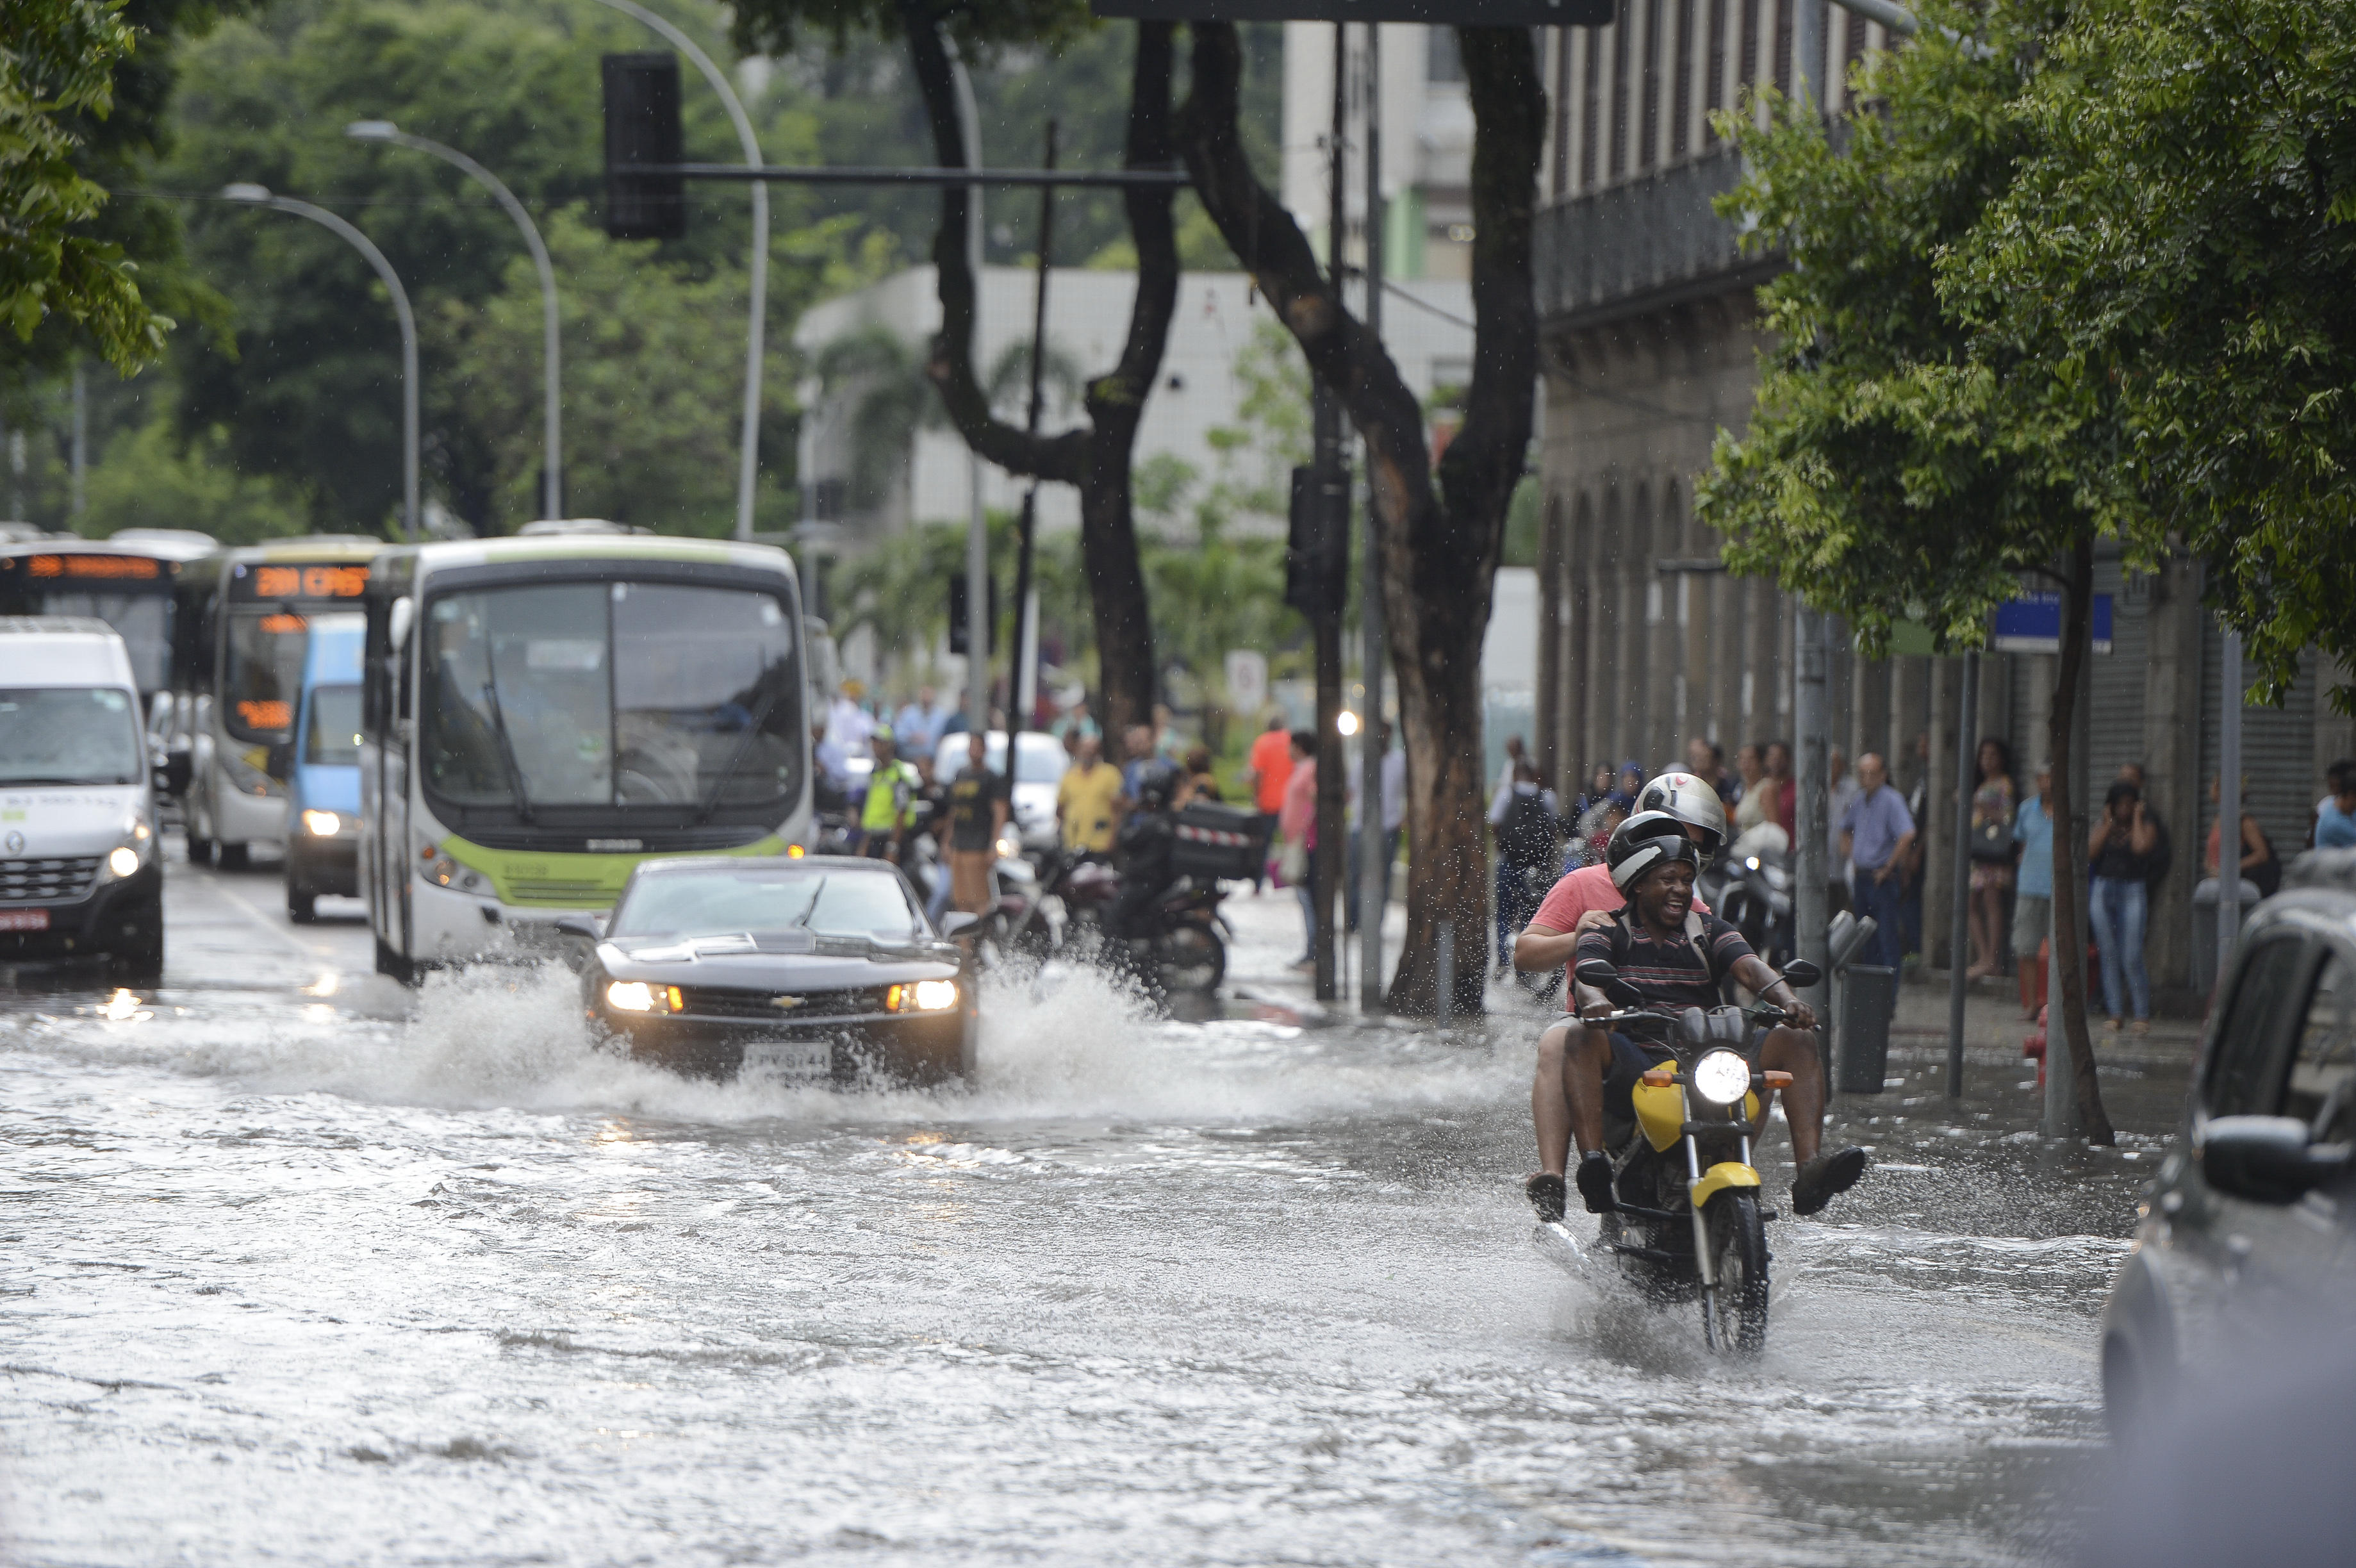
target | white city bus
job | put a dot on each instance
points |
(543, 712)
(244, 681)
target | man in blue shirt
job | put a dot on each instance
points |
(2335, 814)
(1876, 833)
(2032, 904)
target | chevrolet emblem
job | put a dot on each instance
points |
(786, 1003)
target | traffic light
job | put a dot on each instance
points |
(1317, 551)
(958, 641)
(642, 127)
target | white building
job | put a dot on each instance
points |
(1427, 330)
(1426, 125)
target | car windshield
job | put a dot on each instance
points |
(1038, 758)
(333, 736)
(830, 901)
(610, 695)
(68, 735)
(265, 673)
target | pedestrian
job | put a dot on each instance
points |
(1137, 755)
(1877, 831)
(1841, 792)
(1514, 749)
(2260, 864)
(917, 726)
(2163, 852)
(2032, 900)
(848, 720)
(1525, 824)
(2118, 904)
(1199, 783)
(1753, 805)
(1167, 745)
(884, 814)
(976, 808)
(1086, 797)
(1783, 790)
(1269, 767)
(2334, 826)
(1993, 814)
(1076, 720)
(1298, 820)
(1393, 802)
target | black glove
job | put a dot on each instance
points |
(1595, 1182)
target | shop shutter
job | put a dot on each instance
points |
(2278, 753)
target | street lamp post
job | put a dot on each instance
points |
(749, 457)
(260, 196)
(552, 479)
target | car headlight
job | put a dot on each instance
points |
(1721, 1077)
(322, 824)
(637, 996)
(924, 996)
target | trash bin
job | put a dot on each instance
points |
(2204, 929)
(1869, 997)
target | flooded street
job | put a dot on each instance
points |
(291, 1273)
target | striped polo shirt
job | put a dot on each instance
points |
(1671, 975)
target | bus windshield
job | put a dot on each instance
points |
(68, 735)
(334, 735)
(610, 695)
(265, 674)
(144, 621)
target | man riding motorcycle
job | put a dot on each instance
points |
(1673, 957)
(1144, 849)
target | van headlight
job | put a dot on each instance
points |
(1722, 1077)
(123, 861)
(130, 852)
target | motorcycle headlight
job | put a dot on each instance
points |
(1721, 1077)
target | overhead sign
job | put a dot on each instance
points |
(1453, 13)
(2032, 624)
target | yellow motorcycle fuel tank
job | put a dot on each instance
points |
(1661, 1111)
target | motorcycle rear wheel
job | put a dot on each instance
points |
(1191, 959)
(1734, 1309)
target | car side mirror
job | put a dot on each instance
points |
(1799, 974)
(958, 924)
(2267, 1159)
(581, 926)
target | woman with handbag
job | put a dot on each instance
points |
(1991, 847)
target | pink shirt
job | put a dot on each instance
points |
(1589, 887)
(1300, 813)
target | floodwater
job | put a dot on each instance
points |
(288, 1274)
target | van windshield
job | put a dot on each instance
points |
(68, 735)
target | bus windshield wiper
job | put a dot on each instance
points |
(506, 750)
(752, 733)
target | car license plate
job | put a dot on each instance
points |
(24, 920)
(796, 1061)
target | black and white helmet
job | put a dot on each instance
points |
(1686, 798)
(1646, 842)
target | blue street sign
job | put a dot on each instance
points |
(2032, 624)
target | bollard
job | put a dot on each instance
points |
(1447, 964)
(1871, 994)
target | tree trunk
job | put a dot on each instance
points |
(2069, 859)
(1096, 458)
(1438, 546)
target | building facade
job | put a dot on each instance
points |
(1651, 345)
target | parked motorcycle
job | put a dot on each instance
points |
(1688, 1224)
(1062, 911)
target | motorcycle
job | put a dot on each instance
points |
(1749, 888)
(1062, 910)
(1688, 1224)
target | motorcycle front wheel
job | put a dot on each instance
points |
(1734, 1308)
(1191, 959)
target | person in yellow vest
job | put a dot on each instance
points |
(891, 792)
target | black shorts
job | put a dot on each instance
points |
(1631, 1060)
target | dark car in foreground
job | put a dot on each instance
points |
(814, 970)
(2247, 1230)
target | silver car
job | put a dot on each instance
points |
(2247, 1224)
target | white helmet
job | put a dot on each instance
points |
(1686, 798)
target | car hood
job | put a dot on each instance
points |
(786, 958)
(37, 821)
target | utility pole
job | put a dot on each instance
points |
(1332, 500)
(1022, 684)
(1966, 776)
(1812, 862)
(978, 625)
(80, 441)
(1374, 837)
(2229, 801)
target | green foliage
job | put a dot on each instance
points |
(1899, 463)
(58, 65)
(148, 480)
(2182, 235)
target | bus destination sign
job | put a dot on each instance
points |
(116, 574)
(276, 584)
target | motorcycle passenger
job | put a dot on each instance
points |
(1585, 899)
(1145, 849)
(1673, 958)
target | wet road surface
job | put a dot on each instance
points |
(298, 1267)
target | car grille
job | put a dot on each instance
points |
(31, 881)
(729, 1001)
(572, 892)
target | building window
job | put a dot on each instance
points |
(1443, 61)
(1713, 87)
(1749, 48)
(1619, 164)
(1783, 44)
(1591, 111)
(1681, 93)
(1648, 150)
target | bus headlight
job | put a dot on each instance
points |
(322, 824)
(637, 996)
(1721, 1077)
(924, 996)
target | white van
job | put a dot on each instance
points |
(82, 871)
